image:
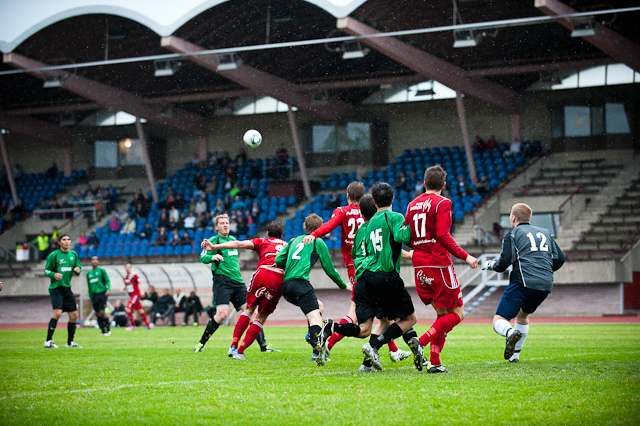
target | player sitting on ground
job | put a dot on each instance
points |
(535, 256)
(350, 219)
(265, 288)
(429, 219)
(99, 290)
(62, 265)
(297, 259)
(133, 285)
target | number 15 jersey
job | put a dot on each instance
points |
(429, 219)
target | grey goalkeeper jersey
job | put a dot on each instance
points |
(534, 255)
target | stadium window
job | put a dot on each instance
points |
(106, 154)
(604, 75)
(616, 119)
(400, 93)
(597, 120)
(329, 138)
(259, 105)
(577, 121)
(130, 152)
(106, 117)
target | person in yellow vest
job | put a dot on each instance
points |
(43, 245)
(56, 233)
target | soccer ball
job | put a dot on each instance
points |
(252, 138)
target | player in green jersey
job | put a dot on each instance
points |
(227, 280)
(99, 290)
(297, 259)
(62, 265)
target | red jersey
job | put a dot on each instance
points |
(267, 248)
(429, 218)
(132, 283)
(350, 219)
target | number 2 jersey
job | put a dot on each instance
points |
(267, 249)
(349, 219)
(429, 219)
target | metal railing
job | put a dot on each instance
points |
(484, 237)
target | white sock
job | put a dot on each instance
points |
(524, 329)
(502, 327)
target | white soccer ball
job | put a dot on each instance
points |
(252, 138)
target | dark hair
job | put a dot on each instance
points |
(312, 222)
(434, 178)
(355, 191)
(275, 229)
(367, 207)
(382, 194)
(64, 235)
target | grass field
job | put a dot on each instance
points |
(569, 374)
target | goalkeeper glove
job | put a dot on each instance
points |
(488, 264)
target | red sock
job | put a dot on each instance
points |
(144, 318)
(392, 346)
(251, 336)
(335, 337)
(436, 347)
(131, 320)
(443, 324)
(240, 328)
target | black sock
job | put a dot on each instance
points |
(107, 323)
(102, 324)
(367, 362)
(211, 328)
(71, 329)
(409, 334)
(262, 341)
(348, 329)
(393, 332)
(314, 330)
(53, 323)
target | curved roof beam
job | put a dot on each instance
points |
(20, 20)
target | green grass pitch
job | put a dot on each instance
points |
(569, 374)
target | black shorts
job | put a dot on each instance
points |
(300, 293)
(226, 290)
(63, 298)
(99, 301)
(381, 295)
(516, 296)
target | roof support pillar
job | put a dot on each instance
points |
(7, 166)
(299, 153)
(515, 127)
(465, 136)
(68, 161)
(202, 149)
(147, 160)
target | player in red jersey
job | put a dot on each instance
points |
(133, 284)
(429, 218)
(265, 288)
(349, 219)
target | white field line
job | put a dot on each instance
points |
(318, 374)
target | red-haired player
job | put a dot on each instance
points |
(349, 219)
(133, 284)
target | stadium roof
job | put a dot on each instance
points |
(505, 60)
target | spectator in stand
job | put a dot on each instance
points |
(161, 238)
(514, 149)
(332, 201)
(185, 238)
(52, 171)
(527, 147)
(180, 223)
(212, 159)
(361, 171)
(401, 182)
(219, 209)
(55, 233)
(129, 226)
(166, 308)
(195, 161)
(53, 245)
(172, 225)
(142, 210)
(82, 239)
(180, 300)
(114, 224)
(233, 227)
(202, 183)
(272, 171)
(244, 193)
(241, 158)
(282, 155)
(163, 221)
(238, 204)
(174, 214)
(492, 144)
(255, 172)
(461, 186)
(255, 212)
(478, 144)
(227, 203)
(193, 306)
(192, 205)
(482, 187)
(412, 180)
(43, 245)
(175, 238)
(419, 189)
(190, 221)
(180, 202)
(93, 240)
(201, 206)
(212, 186)
(79, 213)
(242, 228)
(19, 211)
(112, 192)
(234, 190)
(152, 296)
(253, 191)
(228, 184)
(201, 220)
(146, 232)
(89, 198)
(100, 207)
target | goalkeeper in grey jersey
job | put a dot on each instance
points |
(535, 256)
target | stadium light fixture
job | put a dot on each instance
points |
(55, 81)
(354, 50)
(466, 38)
(165, 68)
(584, 29)
(228, 62)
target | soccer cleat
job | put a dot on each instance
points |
(238, 356)
(131, 327)
(49, 344)
(437, 369)
(314, 357)
(307, 338)
(364, 369)
(195, 324)
(416, 348)
(515, 360)
(510, 346)
(269, 350)
(323, 358)
(399, 355)
(150, 326)
(73, 345)
(372, 353)
(232, 350)
(325, 332)
(199, 347)
(107, 334)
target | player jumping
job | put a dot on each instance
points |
(265, 288)
(133, 285)
(535, 256)
(349, 218)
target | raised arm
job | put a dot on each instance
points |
(505, 258)
(327, 264)
(325, 228)
(230, 245)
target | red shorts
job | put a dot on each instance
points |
(265, 290)
(134, 303)
(438, 285)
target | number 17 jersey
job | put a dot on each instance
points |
(429, 219)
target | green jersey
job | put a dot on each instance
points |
(297, 259)
(229, 267)
(63, 263)
(98, 281)
(361, 250)
(386, 233)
